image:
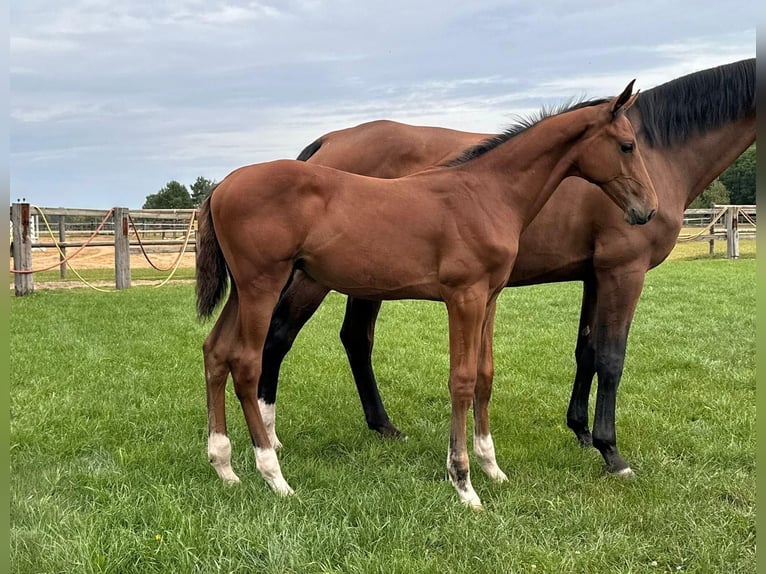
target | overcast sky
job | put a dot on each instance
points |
(111, 100)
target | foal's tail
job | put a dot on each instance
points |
(211, 269)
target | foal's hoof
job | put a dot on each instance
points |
(231, 481)
(471, 501)
(282, 488)
(495, 473)
(475, 506)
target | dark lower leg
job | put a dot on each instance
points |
(577, 413)
(609, 364)
(296, 305)
(358, 337)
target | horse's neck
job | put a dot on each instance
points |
(691, 166)
(529, 167)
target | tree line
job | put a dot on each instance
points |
(736, 186)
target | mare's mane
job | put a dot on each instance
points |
(673, 112)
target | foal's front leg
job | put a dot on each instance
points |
(466, 311)
(483, 446)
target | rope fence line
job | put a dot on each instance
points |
(122, 218)
(173, 265)
(73, 255)
(84, 245)
(22, 239)
(691, 237)
(747, 217)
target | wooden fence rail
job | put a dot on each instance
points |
(719, 223)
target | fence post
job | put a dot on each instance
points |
(23, 283)
(732, 232)
(62, 241)
(121, 248)
(711, 248)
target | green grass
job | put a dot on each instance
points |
(108, 441)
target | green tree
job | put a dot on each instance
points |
(739, 178)
(173, 196)
(714, 193)
(200, 189)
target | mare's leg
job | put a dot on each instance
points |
(466, 310)
(216, 353)
(257, 297)
(618, 293)
(483, 445)
(358, 337)
(297, 303)
(585, 355)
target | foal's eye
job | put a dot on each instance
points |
(626, 147)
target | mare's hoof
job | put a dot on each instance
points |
(389, 431)
(585, 440)
(623, 473)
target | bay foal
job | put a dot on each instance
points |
(449, 233)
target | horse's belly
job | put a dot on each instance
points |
(371, 276)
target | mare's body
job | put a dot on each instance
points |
(691, 129)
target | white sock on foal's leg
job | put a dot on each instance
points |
(462, 485)
(219, 455)
(269, 416)
(484, 448)
(267, 464)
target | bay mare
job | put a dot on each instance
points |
(448, 233)
(690, 130)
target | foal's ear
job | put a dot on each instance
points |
(625, 99)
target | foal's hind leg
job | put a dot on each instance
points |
(218, 344)
(483, 446)
(257, 298)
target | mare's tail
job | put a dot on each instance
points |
(211, 269)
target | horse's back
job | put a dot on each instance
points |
(389, 149)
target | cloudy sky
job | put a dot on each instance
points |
(111, 100)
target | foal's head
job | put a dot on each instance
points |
(609, 157)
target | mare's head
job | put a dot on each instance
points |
(608, 155)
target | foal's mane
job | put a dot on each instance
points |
(673, 112)
(521, 125)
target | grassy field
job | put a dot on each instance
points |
(108, 441)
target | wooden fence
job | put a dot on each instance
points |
(115, 225)
(719, 223)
